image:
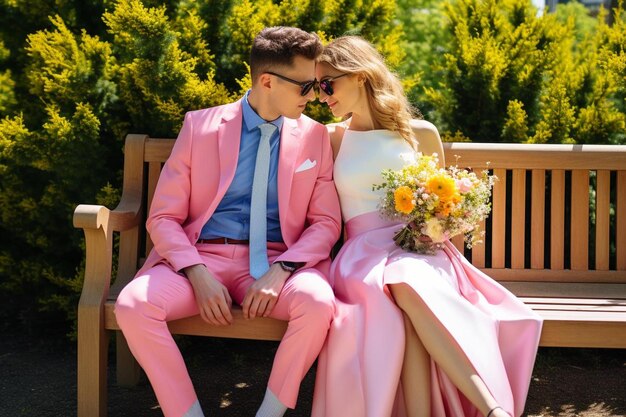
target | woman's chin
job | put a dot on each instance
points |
(336, 112)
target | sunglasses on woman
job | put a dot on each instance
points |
(305, 86)
(326, 85)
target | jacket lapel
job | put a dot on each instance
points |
(228, 138)
(290, 144)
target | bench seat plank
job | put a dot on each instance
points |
(577, 301)
(567, 309)
(563, 326)
(582, 316)
(556, 275)
(558, 332)
(565, 290)
(262, 328)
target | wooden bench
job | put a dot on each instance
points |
(541, 244)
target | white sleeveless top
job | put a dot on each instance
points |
(362, 157)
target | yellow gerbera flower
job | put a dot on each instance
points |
(403, 197)
(447, 190)
(444, 186)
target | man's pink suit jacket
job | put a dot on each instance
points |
(201, 167)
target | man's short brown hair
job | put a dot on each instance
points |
(279, 45)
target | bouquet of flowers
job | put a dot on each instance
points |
(436, 203)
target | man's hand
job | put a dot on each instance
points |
(262, 296)
(212, 297)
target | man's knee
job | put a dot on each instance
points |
(131, 306)
(125, 307)
(316, 300)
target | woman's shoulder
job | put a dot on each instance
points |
(428, 139)
(421, 126)
(336, 129)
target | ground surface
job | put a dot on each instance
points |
(230, 378)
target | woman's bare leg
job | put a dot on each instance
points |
(445, 351)
(415, 374)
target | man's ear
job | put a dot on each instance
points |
(265, 81)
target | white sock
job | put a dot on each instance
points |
(271, 406)
(194, 410)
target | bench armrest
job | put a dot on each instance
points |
(99, 223)
(91, 216)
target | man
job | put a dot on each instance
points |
(205, 221)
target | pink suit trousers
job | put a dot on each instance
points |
(161, 294)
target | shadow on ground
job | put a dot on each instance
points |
(230, 377)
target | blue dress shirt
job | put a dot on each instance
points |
(232, 216)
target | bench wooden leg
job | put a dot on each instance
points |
(128, 370)
(92, 366)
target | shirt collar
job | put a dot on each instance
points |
(252, 120)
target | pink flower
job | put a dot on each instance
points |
(464, 185)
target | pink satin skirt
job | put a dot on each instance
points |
(358, 370)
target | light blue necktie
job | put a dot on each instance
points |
(258, 205)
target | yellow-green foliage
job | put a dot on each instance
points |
(157, 78)
(497, 52)
(608, 108)
(612, 42)
(581, 100)
(516, 122)
(558, 115)
(245, 21)
(12, 131)
(510, 75)
(190, 28)
(7, 95)
(65, 68)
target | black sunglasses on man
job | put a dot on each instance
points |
(326, 85)
(305, 86)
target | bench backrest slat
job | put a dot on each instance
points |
(518, 218)
(498, 218)
(478, 252)
(557, 220)
(579, 240)
(621, 220)
(537, 218)
(603, 215)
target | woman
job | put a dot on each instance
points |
(470, 344)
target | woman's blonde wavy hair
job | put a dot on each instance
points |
(387, 102)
